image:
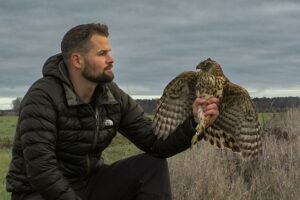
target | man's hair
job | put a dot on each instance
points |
(77, 38)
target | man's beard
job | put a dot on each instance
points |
(100, 78)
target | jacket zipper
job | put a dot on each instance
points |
(97, 129)
(96, 115)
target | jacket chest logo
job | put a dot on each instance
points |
(108, 123)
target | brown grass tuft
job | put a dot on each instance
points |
(207, 172)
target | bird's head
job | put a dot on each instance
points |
(210, 66)
(211, 79)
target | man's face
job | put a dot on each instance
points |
(98, 62)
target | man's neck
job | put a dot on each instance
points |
(85, 93)
(83, 88)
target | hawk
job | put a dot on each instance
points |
(236, 127)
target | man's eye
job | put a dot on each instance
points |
(102, 53)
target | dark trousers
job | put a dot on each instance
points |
(140, 177)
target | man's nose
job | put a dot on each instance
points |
(110, 58)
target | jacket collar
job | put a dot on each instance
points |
(103, 96)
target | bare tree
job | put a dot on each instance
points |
(16, 104)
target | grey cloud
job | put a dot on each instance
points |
(257, 42)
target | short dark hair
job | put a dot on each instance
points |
(77, 38)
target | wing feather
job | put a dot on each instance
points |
(237, 126)
(175, 105)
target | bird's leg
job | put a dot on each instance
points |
(202, 121)
(201, 124)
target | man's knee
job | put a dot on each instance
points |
(155, 181)
(155, 164)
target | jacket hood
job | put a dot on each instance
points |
(55, 66)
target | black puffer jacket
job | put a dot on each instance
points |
(59, 139)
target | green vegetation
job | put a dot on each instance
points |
(5, 157)
(120, 148)
(7, 128)
(264, 117)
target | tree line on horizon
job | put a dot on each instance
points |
(264, 104)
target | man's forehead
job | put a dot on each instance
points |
(100, 42)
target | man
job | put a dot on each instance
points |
(68, 117)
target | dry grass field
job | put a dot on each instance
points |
(208, 173)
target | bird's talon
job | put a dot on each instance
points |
(194, 139)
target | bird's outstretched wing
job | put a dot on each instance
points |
(237, 126)
(175, 105)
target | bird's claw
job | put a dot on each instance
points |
(199, 130)
(194, 140)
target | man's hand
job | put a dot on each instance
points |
(210, 108)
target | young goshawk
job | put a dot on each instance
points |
(237, 125)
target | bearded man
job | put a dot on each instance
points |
(70, 115)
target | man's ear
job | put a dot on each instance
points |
(76, 60)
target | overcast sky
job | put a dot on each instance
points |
(256, 42)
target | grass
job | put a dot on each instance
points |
(5, 157)
(264, 117)
(7, 129)
(207, 172)
(210, 173)
(120, 148)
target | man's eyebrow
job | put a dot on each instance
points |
(104, 50)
